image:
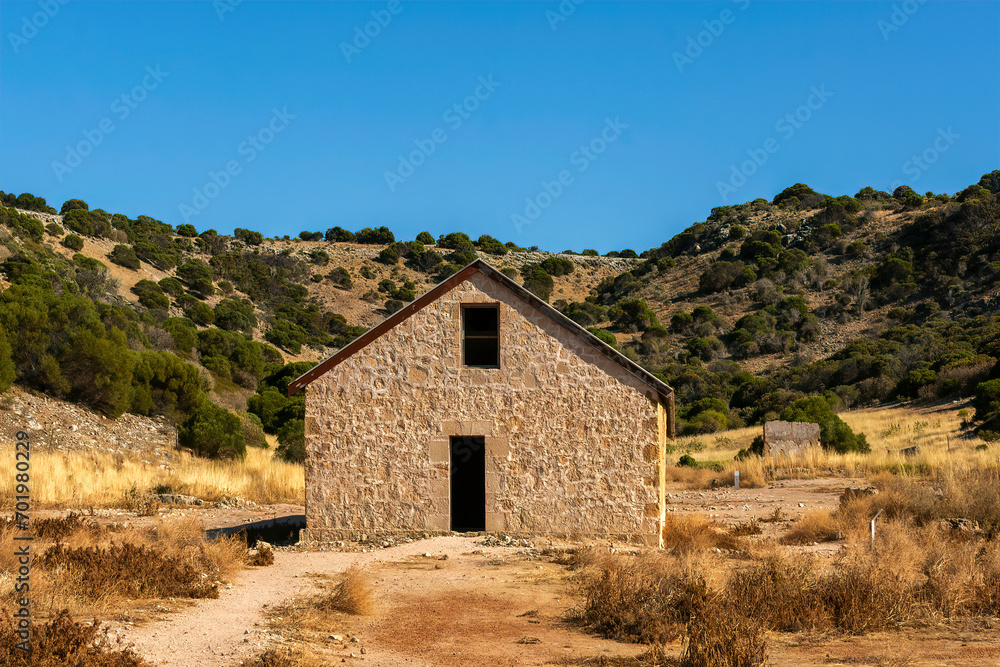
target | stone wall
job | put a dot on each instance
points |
(790, 438)
(574, 441)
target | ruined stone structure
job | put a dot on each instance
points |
(790, 438)
(480, 407)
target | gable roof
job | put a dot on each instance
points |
(428, 297)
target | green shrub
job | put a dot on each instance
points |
(388, 256)
(213, 432)
(380, 236)
(292, 441)
(538, 281)
(834, 432)
(73, 242)
(123, 255)
(248, 237)
(172, 286)
(187, 231)
(425, 238)
(633, 315)
(163, 384)
(339, 235)
(234, 314)
(557, 266)
(73, 204)
(341, 277)
(151, 295)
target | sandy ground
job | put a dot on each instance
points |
(453, 601)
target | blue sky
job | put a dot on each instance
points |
(600, 125)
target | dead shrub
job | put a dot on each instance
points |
(746, 529)
(59, 528)
(62, 642)
(715, 638)
(645, 598)
(127, 570)
(353, 595)
(862, 594)
(815, 526)
(695, 533)
(263, 555)
(143, 504)
(780, 592)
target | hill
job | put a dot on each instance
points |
(856, 299)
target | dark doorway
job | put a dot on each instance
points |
(468, 483)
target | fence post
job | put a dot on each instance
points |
(873, 524)
(736, 479)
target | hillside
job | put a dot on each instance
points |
(860, 299)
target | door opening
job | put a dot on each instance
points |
(468, 483)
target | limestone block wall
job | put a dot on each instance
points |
(790, 438)
(574, 442)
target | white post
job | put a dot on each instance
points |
(736, 479)
(873, 524)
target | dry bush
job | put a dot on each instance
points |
(686, 534)
(780, 592)
(353, 595)
(815, 526)
(644, 598)
(746, 529)
(61, 642)
(125, 570)
(717, 639)
(261, 556)
(277, 658)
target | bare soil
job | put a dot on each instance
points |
(466, 603)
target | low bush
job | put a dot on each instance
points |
(62, 641)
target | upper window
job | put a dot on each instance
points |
(481, 335)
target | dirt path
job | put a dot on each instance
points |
(431, 611)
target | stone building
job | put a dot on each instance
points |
(480, 407)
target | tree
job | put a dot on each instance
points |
(187, 231)
(7, 370)
(425, 238)
(72, 204)
(213, 432)
(991, 181)
(247, 236)
(339, 235)
(292, 441)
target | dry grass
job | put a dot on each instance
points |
(353, 595)
(937, 431)
(82, 480)
(687, 534)
(95, 570)
(815, 526)
(62, 642)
